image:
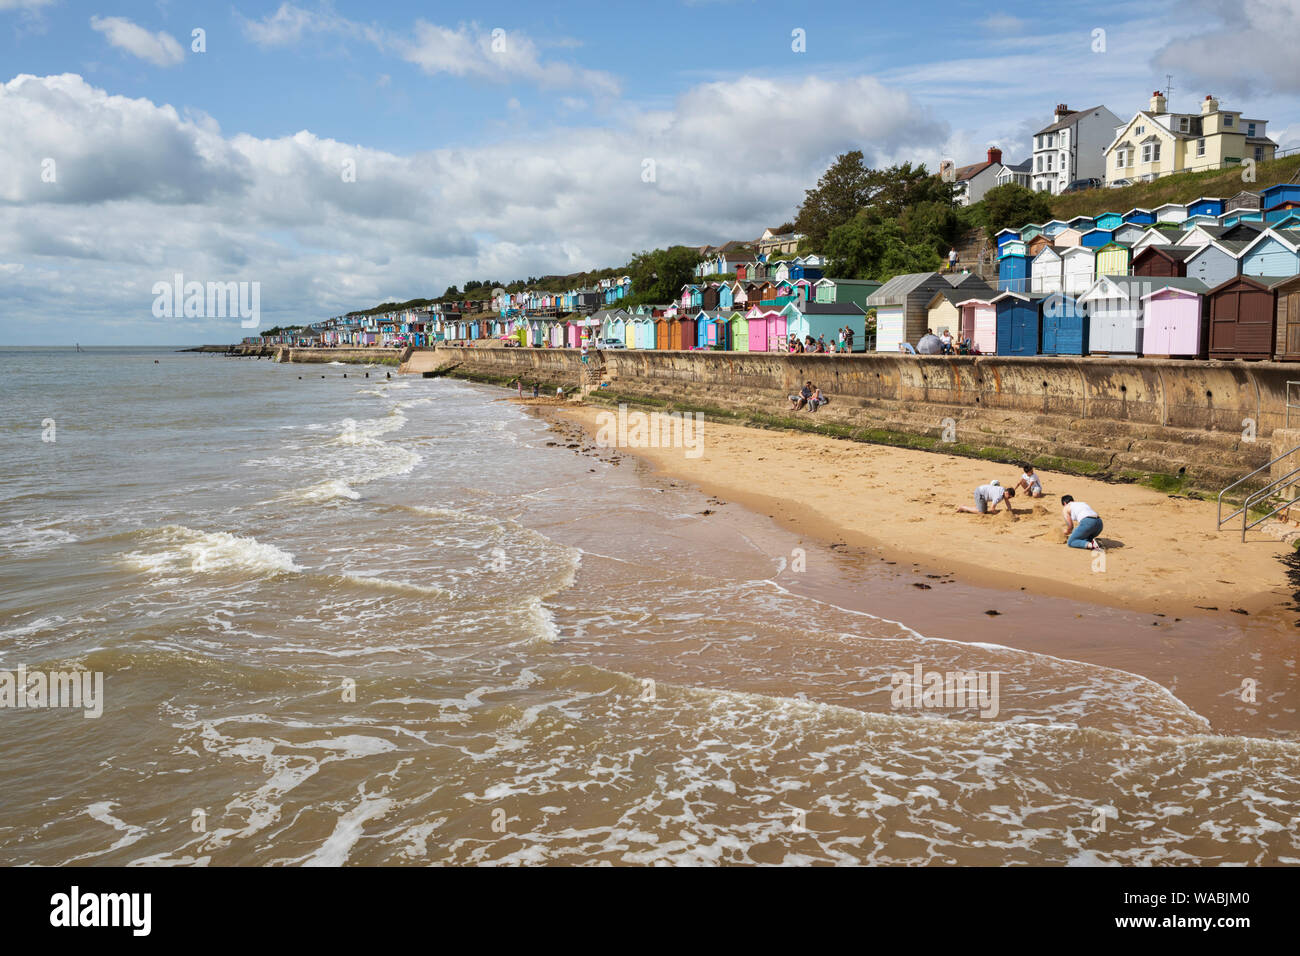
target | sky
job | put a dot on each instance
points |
(338, 155)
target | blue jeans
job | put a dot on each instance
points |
(1084, 532)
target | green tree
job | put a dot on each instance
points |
(871, 247)
(451, 293)
(658, 275)
(840, 192)
(1012, 206)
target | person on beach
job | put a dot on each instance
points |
(839, 340)
(1082, 524)
(800, 400)
(848, 338)
(818, 400)
(945, 340)
(1030, 481)
(537, 389)
(987, 498)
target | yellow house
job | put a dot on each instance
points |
(1156, 143)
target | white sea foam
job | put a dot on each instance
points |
(209, 552)
(325, 491)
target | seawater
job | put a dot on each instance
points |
(385, 621)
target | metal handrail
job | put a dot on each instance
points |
(1245, 478)
(1263, 494)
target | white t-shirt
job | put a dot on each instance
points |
(1079, 511)
(1030, 481)
(991, 493)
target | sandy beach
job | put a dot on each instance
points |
(1163, 553)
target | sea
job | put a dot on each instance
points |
(342, 616)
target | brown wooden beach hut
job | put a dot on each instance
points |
(1163, 261)
(1243, 317)
(1287, 346)
(663, 333)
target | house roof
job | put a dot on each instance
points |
(964, 173)
(967, 281)
(1025, 166)
(1069, 119)
(955, 296)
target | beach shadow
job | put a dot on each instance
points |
(1111, 544)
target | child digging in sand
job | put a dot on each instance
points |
(987, 498)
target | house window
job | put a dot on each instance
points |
(1200, 146)
(1259, 152)
(1139, 131)
(1151, 152)
(1227, 120)
(1182, 124)
(1250, 130)
(1049, 162)
(1040, 165)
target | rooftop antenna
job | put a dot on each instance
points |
(1169, 87)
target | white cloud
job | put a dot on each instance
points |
(23, 4)
(1250, 48)
(467, 50)
(160, 49)
(143, 192)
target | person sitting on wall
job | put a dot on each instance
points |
(945, 341)
(818, 400)
(800, 400)
(987, 498)
(848, 339)
(906, 347)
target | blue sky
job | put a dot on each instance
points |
(500, 140)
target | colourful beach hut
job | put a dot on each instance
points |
(1045, 272)
(901, 306)
(1216, 262)
(1113, 259)
(1114, 307)
(824, 320)
(1242, 313)
(1139, 215)
(1272, 253)
(1096, 238)
(1205, 206)
(1064, 325)
(979, 324)
(1078, 269)
(711, 330)
(1018, 319)
(663, 333)
(737, 333)
(1006, 235)
(1288, 320)
(1174, 317)
(1162, 261)
(1014, 272)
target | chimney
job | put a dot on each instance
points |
(1209, 105)
(1157, 102)
(1062, 111)
(995, 155)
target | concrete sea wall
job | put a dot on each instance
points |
(1203, 423)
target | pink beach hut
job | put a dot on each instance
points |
(1175, 323)
(979, 323)
(574, 335)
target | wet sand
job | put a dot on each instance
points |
(1163, 554)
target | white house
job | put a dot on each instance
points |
(975, 180)
(1021, 174)
(1072, 147)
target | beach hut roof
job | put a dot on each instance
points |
(966, 280)
(1022, 296)
(1288, 237)
(897, 289)
(828, 308)
(1168, 286)
(1266, 282)
(1176, 253)
(955, 296)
